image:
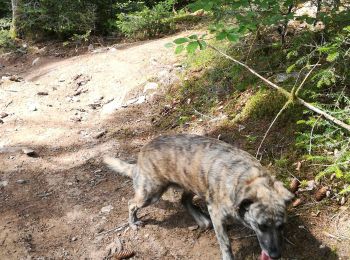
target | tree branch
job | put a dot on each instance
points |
(285, 92)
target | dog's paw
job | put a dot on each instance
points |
(136, 225)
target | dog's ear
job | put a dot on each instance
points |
(286, 195)
(244, 205)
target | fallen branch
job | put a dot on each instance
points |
(286, 93)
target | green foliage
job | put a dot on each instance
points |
(149, 22)
(5, 36)
(326, 44)
(5, 40)
(45, 17)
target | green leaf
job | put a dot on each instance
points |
(220, 36)
(332, 56)
(192, 46)
(291, 68)
(232, 37)
(193, 37)
(169, 45)
(180, 40)
(179, 49)
(202, 45)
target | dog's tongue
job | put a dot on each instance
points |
(264, 256)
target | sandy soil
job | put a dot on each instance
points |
(63, 203)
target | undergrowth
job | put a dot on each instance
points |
(214, 86)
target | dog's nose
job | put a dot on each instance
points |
(275, 255)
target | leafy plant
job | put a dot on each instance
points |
(147, 23)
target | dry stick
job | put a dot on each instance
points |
(272, 123)
(304, 80)
(286, 93)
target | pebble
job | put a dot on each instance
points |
(42, 93)
(74, 239)
(151, 86)
(192, 228)
(32, 107)
(21, 181)
(1, 121)
(3, 115)
(3, 183)
(29, 152)
(107, 209)
(100, 134)
(342, 201)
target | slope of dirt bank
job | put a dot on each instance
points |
(64, 203)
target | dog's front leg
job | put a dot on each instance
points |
(220, 230)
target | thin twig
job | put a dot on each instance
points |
(9, 103)
(251, 46)
(203, 115)
(286, 93)
(307, 75)
(272, 123)
(290, 242)
(116, 229)
(312, 132)
(236, 238)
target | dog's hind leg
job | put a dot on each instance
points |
(202, 220)
(147, 192)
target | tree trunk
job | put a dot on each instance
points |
(15, 18)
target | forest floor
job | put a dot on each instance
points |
(61, 202)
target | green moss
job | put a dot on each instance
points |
(261, 104)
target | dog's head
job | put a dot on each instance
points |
(263, 208)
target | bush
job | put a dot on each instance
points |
(5, 40)
(149, 22)
(59, 18)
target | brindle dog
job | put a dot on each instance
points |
(231, 181)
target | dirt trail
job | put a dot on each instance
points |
(63, 203)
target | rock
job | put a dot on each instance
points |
(90, 47)
(74, 239)
(15, 78)
(111, 107)
(42, 93)
(106, 209)
(32, 107)
(131, 101)
(311, 185)
(342, 201)
(35, 61)
(112, 49)
(141, 100)
(29, 152)
(3, 183)
(100, 134)
(192, 228)
(150, 87)
(3, 115)
(282, 77)
(21, 181)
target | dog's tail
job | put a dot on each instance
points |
(120, 166)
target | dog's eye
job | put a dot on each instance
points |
(263, 227)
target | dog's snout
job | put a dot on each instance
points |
(275, 254)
